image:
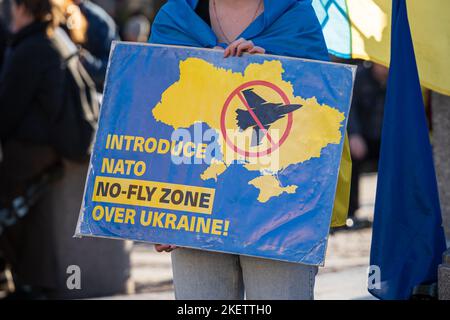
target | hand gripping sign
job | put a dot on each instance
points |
(237, 155)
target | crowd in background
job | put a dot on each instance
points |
(32, 74)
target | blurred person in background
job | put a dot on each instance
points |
(48, 110)
(32, 74)
(137, 29)
(101, 30)
(364, 128)
(31, 93)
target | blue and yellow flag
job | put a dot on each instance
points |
(361, 29)
(408, 239)
(237, 155)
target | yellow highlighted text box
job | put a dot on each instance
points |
(154, 194)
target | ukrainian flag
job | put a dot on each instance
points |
(361, 29)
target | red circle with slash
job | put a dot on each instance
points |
(238, 93)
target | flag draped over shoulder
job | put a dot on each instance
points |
(286, 27)
(408, 238)
(360, 29)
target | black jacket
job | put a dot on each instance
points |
(3, 40)
(31, 86)
(366, 113)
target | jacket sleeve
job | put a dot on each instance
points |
(95, 67)
(18, 85)
(102, 31)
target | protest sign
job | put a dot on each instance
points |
(237, 155)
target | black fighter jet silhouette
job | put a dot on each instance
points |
(266, 112)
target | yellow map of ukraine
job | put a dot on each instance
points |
(199, 96)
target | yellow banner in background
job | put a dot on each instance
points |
(430, 29)
(369, 25)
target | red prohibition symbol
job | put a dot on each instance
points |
(274, 145)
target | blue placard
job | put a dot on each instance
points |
(237, 155)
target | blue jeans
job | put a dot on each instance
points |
(207, 275)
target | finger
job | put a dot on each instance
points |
(235, 45)
(226, 52)
(245, 46)
(231, 49)
(256, 50)
(171, 248)
(161, 247)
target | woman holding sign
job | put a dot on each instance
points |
(282, 27)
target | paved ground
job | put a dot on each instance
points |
(343, 277)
